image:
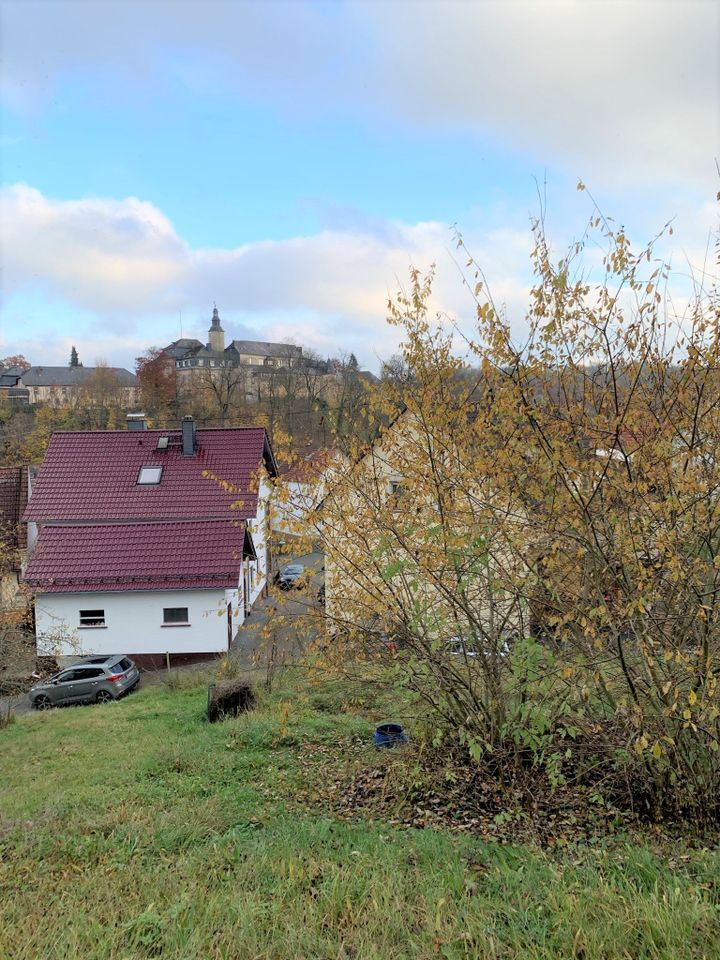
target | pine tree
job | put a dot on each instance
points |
(74, 362)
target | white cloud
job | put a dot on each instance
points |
(104, 255)
(617, 92)
(122, 262)
(123, 269)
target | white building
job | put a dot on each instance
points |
(151, 542)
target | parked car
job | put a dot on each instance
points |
(459, 647)
(291, 577)
(95, 679)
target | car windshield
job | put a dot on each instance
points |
(293, 569)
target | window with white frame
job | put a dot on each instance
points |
(150, 476)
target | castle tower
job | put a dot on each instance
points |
(216, 334)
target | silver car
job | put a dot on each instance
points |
(93, 680)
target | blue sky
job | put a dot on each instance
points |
(291, 160)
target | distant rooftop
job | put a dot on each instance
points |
(73, 376)
(264, 348)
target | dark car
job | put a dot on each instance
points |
(93, 680)
(291, 577)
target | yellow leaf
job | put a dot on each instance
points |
(692, 697)
(687, 714)
(657, 751)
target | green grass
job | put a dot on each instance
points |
(138, 830)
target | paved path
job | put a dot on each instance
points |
(288, 609)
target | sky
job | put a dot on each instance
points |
(291, 161)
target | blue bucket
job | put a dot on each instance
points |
(389, 735)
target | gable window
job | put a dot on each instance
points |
(92, 618)
(175, 617)
(149, 475)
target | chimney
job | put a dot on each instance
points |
(189, 441)
(136, 421)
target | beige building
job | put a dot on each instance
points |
(406, 531)
(59, 385)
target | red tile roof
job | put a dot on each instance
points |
(194, 554)
(92, 476)
(311, 467)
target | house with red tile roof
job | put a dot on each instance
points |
(303, 485)
(150, 542)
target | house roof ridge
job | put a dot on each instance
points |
(160, 521)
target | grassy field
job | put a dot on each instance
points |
(139, 830)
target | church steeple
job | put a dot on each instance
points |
(216, 334)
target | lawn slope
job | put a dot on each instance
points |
(139, 830)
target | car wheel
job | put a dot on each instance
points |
(104, 696)
(42, 702)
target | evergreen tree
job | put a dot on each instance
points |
(74, 362)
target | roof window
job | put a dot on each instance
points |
(149, 475)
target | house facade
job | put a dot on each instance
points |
(150, 542)
(406, 530)
(303, 486)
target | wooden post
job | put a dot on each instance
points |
(167, 662)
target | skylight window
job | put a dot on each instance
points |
(149, 475)
(162, 443)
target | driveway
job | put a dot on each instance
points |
(279, 620)
(18, 705)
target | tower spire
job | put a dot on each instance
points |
(216, 334)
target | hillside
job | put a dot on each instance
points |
(139, 830)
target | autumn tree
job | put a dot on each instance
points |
(158, 383)
(17, 361)
(533, 548)
(349, 403)
(32, 432)
(17, 643)
(100, 398)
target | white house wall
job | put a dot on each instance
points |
(258, 528)
(133, 622)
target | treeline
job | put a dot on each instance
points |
(312, 404)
